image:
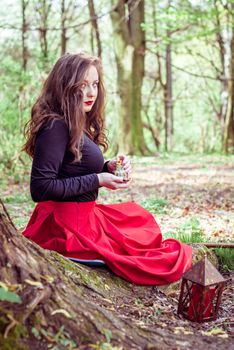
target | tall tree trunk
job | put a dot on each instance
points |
(165, 81)
(63, 28)
(225, 37)
(229, 118)
(25, 56)
(43, 9)
(95, 28)
(24, 4)
(168, 101)
(222, 38)
(130, 52)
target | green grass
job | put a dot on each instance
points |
(226, 258)
(189, 232)
(155, 205)
(18, 198)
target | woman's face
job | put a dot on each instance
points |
(89, 87)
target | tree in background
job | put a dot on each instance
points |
(129, 39)
(24, 5)
(69, 22)
(164, 21)
(228, 63)
(217, 29)
(63, 28)
(204, 31)
(168, 99)
(94, 29)
(43, 9)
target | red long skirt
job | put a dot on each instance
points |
(125, 236)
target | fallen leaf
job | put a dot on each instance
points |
(186, 211)
(225, 336)
(3, 285)
(106, 287)
(34, 283)
(48, 278)
(9, 296)
(216, 331)
(61, 311)
(179, 330)
(108, 300)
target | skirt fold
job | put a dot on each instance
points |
(124, 235)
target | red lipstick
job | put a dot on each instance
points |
(88, 103)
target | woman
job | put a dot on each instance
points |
(63, 137)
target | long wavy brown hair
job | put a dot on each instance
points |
(62, 98)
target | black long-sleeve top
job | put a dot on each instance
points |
(55, 176)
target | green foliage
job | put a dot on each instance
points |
(189, 232)
(9, 296)
(35, 332)
(19, 90)
(191, 29)
(105, 345)
(157, 313)
(226, 258)
(59, 341)
(108, 335)
(18, 198)
(155, 205)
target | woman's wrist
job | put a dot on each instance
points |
(100, 179)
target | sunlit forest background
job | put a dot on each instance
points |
(168, 65)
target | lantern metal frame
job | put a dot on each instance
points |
(201, 291)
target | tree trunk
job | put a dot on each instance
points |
(70, 306)
(166, 84)
(168, 101)
(229, 118)
(129, 39)
(43, 9)
(225, 40)
(224, 63)
(24, 5)
(95, 28)
(63, 28)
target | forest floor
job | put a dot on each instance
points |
(180, 192)
(183, 193)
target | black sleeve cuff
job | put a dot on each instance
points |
(105, 168)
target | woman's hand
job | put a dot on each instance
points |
(111, 165)
(111, 181)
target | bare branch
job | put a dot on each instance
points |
(185, 70)
(12, 27)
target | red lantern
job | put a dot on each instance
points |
(201, 291)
